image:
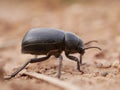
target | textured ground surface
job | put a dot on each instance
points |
(91, 21)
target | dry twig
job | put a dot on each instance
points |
(54, 81)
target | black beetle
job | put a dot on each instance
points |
(48, 41)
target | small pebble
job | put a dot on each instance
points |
(101, 65)
(104, 74)
(116, 64)
(110, 75)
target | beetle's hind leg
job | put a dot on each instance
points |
(24, 65)
(59, 56)
(16, 72)
(40, 59)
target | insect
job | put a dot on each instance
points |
(48, 42)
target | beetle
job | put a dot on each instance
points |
(50, 41)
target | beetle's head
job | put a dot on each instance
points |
(83, 47)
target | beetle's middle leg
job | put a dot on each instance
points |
(24, 65)
(74, 59)
(60, 63)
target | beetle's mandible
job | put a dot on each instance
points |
(49, 41)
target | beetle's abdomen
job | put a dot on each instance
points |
(42, 41)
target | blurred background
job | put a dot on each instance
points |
(89, 19)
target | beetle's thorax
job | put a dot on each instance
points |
(72, 43)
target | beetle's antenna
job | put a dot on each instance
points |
(93, 47)
(90, 42)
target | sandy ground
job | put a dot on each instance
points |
(91, 21)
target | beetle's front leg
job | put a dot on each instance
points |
(81, 63)
(81, 59)
(74, 59)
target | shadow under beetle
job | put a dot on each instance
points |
(48, 41)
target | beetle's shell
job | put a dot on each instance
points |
(42, 40)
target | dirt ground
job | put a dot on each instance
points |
(89, 20)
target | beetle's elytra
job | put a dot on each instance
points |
(49, 41)
(41, 41)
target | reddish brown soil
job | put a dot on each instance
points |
(91, 21)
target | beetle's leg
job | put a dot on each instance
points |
(30, 61)
(74, 59)
(60, 65)
(81, 63)
(39, 59)
(80, 59)
(16, 72)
